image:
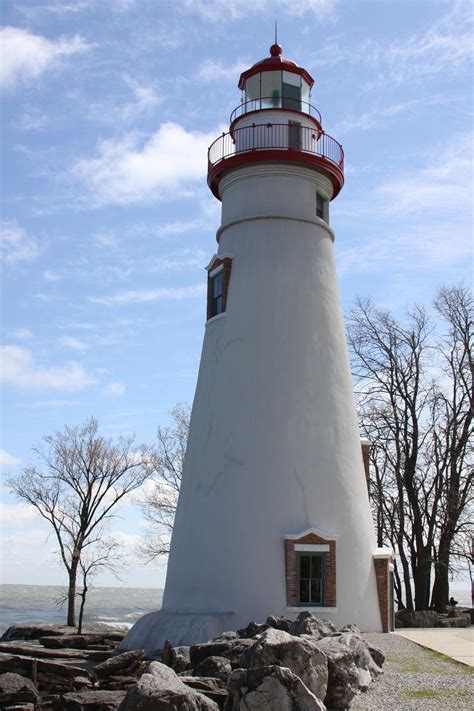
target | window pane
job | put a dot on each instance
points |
(316, 566)
(305, 566)
(305, 90)
(217, 284)
(252, 87)
(271, 90)
(304, 590)
(316, 591)
(217, 306)
(320, 205)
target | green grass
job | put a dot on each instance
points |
(427, 694)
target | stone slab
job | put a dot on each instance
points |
(455, 643)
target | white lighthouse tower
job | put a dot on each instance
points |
(273, 515)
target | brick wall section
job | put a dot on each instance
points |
(227, 262)
(383, 589)
(291, 572)
(365, 457)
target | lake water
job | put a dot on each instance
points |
(115, 607)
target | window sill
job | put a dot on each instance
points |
(311, 608)
(215, 318)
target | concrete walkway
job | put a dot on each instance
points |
(455, 643)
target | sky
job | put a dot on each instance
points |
(107, 221)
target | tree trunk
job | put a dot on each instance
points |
(422, 579)
(81, 609)
(440, 594)
(71, 595)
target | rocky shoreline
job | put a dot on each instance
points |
(283, 664)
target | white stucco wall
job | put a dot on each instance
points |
(274, 446)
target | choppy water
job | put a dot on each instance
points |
(114, 607)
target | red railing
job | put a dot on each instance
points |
(271, 102)
(261, 137)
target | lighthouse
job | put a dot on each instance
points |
(273, 515)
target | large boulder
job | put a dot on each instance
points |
(271, 688)
(15, 689)
(279, 623)
(307, 625)
(252, 630)
(160, 689)
(301, 656)
(30, 632)
(350, 665)
(92, 701)
(216, 667)
(229, 648)
(421, 618)
(128, 662)
(213, 688)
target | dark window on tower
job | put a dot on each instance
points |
(321, 206)
(217, 293)
(311, 578)
(218, 286)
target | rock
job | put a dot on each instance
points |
(271, 688)
(225, 635)
(48, 676)
(377, 655)
(229, 648)
(16, 689)
(34, 650)
(422, 618)
(177, 658)
(129, 661)
(30, 632)
(96, 700)
(351, 628)
(117, 682)
(214, 689)
(252, 630)
(217, 667)
(76, 641)
(350, 665)
(301, 656)
(279, 623)
(160, 689)
(454, 622)
(306, 624)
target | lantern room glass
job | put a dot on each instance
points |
(276, 90)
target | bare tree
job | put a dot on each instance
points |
(160, 499)
(417, 419)
(107, 555)
(80, 480)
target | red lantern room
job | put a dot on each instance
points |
(276, 122)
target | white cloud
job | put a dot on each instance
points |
(20, 370)
(443, 47)
(114, 389)
(16, 246)
(443, 184)
(132, 169)
(18, 515)
(22, 334)
(217, 10)
(380, 114)
(74, 343)
(211, 70)
(144, 99)
(179, 260)
(8, 461)
(31, 119)
(49, 275)
(26, 56)
(139, 296)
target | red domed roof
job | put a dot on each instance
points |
(274, 62)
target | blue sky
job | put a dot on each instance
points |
(108, 109)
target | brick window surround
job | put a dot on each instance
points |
(226, 263)
(383, 564)
(315, 539)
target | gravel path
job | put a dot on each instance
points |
(416, 678)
